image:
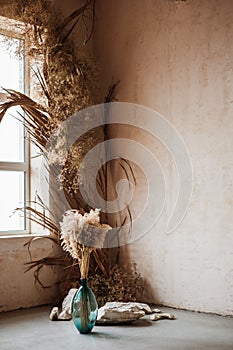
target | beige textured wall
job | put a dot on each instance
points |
(176, 57)
(17, 288)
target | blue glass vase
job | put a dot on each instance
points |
(84, 308)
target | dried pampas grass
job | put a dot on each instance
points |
(81, 234)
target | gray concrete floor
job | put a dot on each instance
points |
(32, 329)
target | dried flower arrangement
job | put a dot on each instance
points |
(68, 81)
(81, 234)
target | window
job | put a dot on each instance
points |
(14, 149)
(20, 166)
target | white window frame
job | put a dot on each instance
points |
(27, 166)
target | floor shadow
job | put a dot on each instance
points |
(138, 323)
(103, 335)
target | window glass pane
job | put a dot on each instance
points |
(11, 196)
(11, 138)
(11, 63)
(12, 142)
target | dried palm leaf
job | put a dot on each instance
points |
(80, 12)
(36, 117)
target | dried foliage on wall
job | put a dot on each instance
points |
(69, 83)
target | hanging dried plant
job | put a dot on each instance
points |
(69, 84)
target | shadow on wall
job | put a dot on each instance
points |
(148, 294)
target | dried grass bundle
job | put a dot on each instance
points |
(81, 234)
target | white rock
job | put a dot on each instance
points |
(66, 305)
(130, 305)
(156, 311)
(54, 314)
(162, 316)
(117, 312)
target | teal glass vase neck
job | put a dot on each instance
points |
(84, 282)
(84, 308)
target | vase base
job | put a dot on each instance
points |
(84, 308)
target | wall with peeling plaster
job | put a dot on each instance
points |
(176, 57)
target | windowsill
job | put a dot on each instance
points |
(12, 243)
(28, 235)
